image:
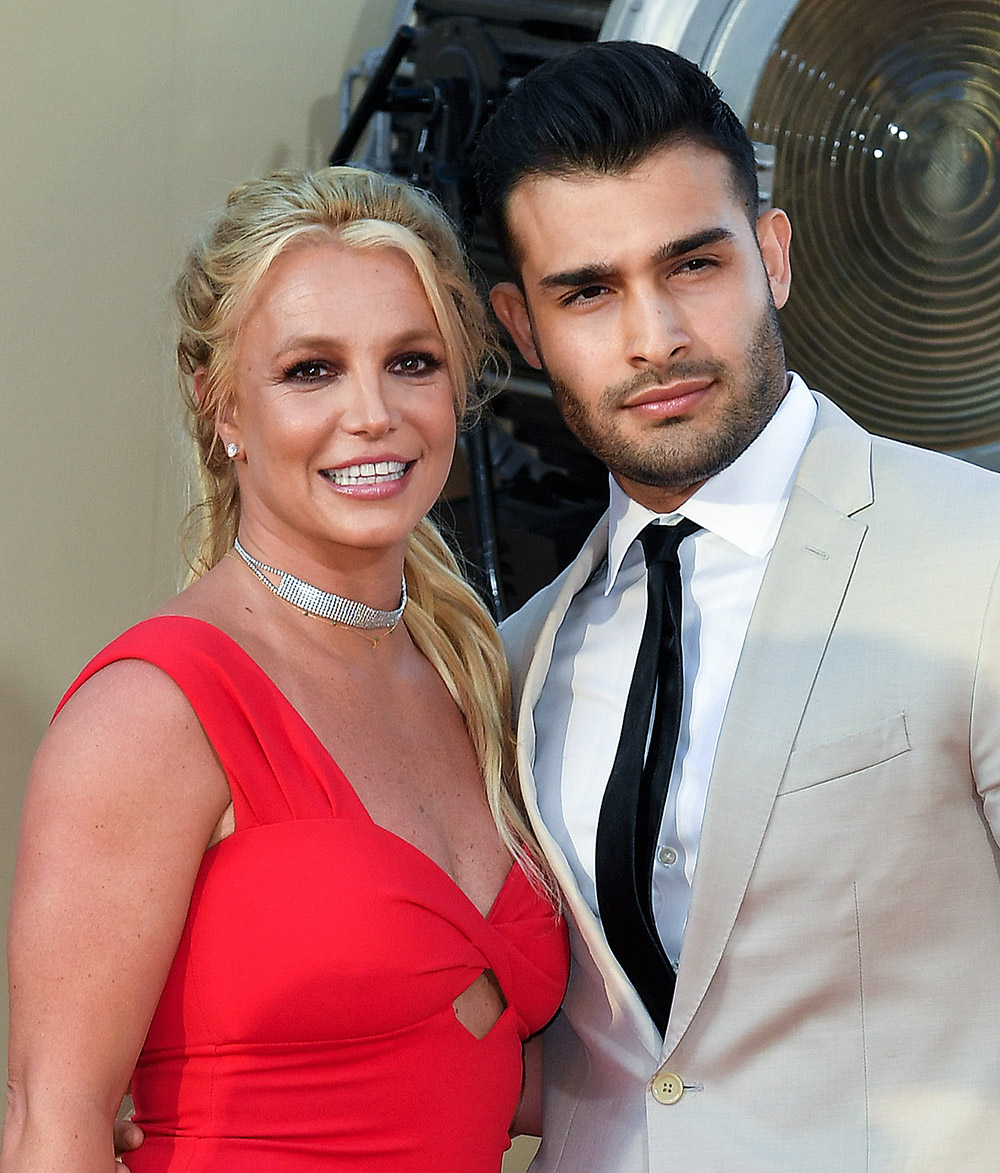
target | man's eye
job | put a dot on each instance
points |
(587, 293)
(696, 265)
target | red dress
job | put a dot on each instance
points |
(307, 1020)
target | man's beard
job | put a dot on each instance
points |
(672, 456)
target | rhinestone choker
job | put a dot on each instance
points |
(311, 600)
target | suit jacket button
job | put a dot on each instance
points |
(667, 1087)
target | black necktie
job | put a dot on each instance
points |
(632, 808)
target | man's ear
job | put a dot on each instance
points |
(774, 234)
(510, 307)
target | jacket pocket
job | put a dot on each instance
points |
(813, 765)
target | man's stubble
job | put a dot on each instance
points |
(676, 456)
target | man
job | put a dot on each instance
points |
(823, 877)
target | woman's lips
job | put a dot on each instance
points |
(377, 472)
(369, 479)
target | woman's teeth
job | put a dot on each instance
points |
(366, 474)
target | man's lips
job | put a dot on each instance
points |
(668, 399)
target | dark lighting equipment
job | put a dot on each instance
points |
(877, 128)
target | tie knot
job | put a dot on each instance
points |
(660, 542)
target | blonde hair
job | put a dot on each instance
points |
(360, 209)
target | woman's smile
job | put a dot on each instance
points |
(369, 478)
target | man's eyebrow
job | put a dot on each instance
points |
(592, 274)
(598, 271)
(690, 244)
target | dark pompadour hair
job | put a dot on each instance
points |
(604, 108)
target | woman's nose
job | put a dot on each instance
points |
(370, 409)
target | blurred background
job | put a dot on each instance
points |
(877, 126)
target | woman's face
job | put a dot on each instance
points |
(343, 405)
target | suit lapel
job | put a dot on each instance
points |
(591, 949)
(803, 589)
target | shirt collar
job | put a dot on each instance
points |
(743, 504)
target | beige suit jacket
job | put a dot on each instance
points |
(837, 1005)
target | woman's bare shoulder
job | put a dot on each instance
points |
(129, 734)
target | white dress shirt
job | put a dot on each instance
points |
(578, 714)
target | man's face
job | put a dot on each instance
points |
(650, 303)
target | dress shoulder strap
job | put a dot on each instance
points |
(276, 768)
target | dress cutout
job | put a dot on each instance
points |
(307, 1021)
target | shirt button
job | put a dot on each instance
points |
(667, 1087)
(667, 856)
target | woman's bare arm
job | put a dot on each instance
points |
(122, 799)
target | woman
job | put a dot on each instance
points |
(272, 830)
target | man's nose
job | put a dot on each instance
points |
(655, 329)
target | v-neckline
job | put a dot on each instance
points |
(331, 763)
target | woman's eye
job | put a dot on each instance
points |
(417, 363)
(307, 372)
